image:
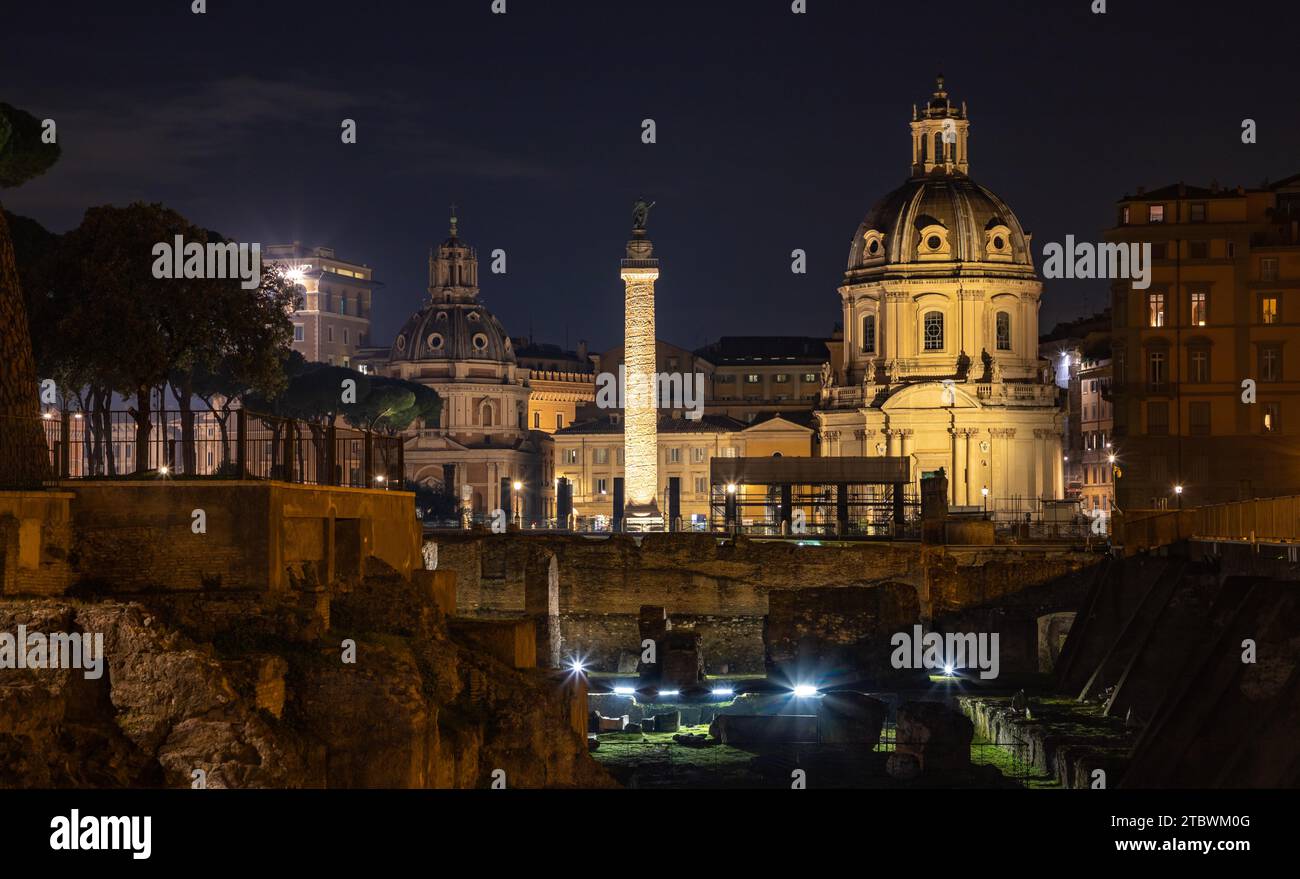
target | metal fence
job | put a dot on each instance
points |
(235, 444)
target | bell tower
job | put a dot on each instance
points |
(453, 269)
(940, 136)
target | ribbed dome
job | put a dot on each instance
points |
(452, 331)
(969, 213)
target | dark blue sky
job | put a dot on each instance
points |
(776, 131)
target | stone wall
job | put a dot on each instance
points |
(35, 542)
(140, 536)
(721, 587)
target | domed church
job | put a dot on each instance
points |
(483, 445)
(940, 357)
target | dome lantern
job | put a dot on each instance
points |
(940, 136)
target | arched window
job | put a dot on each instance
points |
(938, 147)
(933, 330)
(1004, 331)
(869, 334)
(485, 415)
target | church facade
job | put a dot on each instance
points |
(940, 358)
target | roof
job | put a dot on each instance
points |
(667, 424)
(1183, 190)
(801, 417)
(765, 349)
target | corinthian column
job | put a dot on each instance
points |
(639, 271)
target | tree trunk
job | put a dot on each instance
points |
(142, 415)
(189, 449)
(24, 454)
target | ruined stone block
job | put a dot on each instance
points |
(681, 659)
(764, 729)
(1053, 628)
(668, 722)
(514, 642)
(850, 719)
(440, 586)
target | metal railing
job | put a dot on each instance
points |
(236, 444)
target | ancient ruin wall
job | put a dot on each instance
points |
(721, 589)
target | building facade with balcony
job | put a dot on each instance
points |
(1206, 368)
(939, 359)
(333, 323)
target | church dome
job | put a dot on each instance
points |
(453, 325)
(940, 215)
(452, 331)
(940, 218)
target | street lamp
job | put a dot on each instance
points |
(519, 513)
(985, 492)
(1178, 490)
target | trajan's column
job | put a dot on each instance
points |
(639, 271)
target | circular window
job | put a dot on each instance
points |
(434, 342)
(473, 315)
(401, 343)
(874, 247)
(933, 242)
(480, 342)
(442, 315)
(998, 243)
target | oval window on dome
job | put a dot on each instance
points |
(401, 343)
(442, 315)
(480, 342)
(874, 247)
(434, 341)
(934, 242)
(999, 242)
(473, 315)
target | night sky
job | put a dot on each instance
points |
(776, 131)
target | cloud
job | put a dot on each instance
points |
(123, 145)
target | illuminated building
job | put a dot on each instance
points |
(590, 454)
(333, 324)
(939, 358)
(1222, 308)
(560, 382)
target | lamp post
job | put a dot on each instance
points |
(519, 513)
